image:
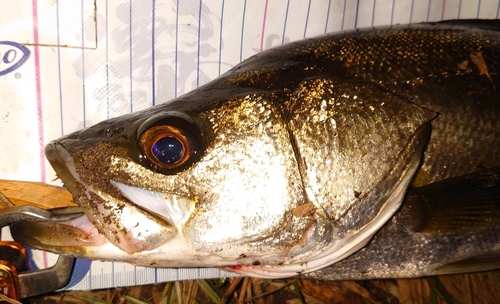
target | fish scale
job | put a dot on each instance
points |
(410, 246)
(366, 117)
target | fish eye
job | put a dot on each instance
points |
(168, 150)
(170, 142)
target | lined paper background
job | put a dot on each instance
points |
(92, 60)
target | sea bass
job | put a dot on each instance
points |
(294, 159)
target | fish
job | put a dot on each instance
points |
(297, 162)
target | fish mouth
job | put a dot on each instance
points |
(175, 211)
(119, 220)
(74, 235)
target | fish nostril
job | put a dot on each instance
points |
(108, 133)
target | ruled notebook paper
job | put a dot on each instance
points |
(66, 65)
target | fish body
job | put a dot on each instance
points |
(291, 161)
(442, 228)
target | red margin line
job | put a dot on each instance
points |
(39, 102)
(38, 91)
(263, 28)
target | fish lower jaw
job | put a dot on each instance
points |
(79, 239)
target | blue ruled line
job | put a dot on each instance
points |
(411, 11)
(284, 23)
(307, 19)
(242, 29)
(327, 16)
(343, 16)
(59, 69)
(130, 56)
(356, 14)
(392, 12)
(220, 36)
(373, 12)
(199, 40)
(83, 67)
(428, 11)
(107, 62)
(153, 80)
(176, 72)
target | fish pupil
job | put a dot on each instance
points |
(168, 150)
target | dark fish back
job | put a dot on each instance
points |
(451, 68)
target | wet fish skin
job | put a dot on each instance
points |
(341, 121)
(447, 227)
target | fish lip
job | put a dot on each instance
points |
(60, 159)
(59, 236)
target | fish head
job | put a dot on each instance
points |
(189, 183)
